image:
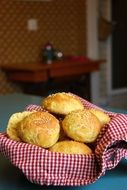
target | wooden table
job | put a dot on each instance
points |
(42, 72)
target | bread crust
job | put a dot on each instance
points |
(82, 126)
(39, 128)
(102, 116)
(62, 103)
(13, 124)
(71, 147)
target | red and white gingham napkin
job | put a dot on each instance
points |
(41, 166)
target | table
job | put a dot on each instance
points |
(12, 178)
(66, 70)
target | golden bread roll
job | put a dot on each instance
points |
(13, 124)
(82, 126)
(71, 147)
(39, 128)
(62, 103)
(103, 117)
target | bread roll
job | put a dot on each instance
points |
(62, 103)
(82, 126)
(39, 128)
(70, 147)
(103, 117)
(13, 124)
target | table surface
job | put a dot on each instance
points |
(41, 72)
(12, 178)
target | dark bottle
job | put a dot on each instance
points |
(48, 53)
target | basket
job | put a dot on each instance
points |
(43, 167)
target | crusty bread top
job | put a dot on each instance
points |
(39, 128)
(71, 147)
(13, 124)
(102, 116)
(62, 103)
(82, 125)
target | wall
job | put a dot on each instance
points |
(62, 23)
(103, 52)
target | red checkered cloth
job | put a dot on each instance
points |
(41, 166)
